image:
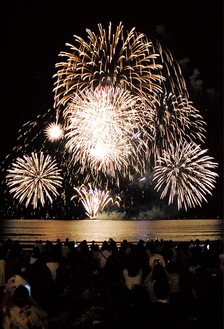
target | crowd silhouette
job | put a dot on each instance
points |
(112, 286)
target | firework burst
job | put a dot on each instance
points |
(94, 200)
(106, 131)
(124, 59)
(186, 174)
(54, 131)
(32, 178)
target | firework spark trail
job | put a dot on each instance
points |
(175, 119)
(33, 178)
(94, 200)
(185, 174)
(170, 69)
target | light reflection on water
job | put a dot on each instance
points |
(100, 230)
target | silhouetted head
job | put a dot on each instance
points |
(21, 296)
(159, 273)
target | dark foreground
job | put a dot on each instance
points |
(84, 294)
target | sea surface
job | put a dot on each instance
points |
(100, 230)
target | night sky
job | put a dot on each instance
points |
(33, 33)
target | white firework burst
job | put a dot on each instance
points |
(34, 178)
(94, 200)
(107, 131)
(54, 131)
(186, 174)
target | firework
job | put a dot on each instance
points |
(124, 59)
(53, 131)
(106, 131)
(94, 200)
(175, 119)
(32, 178)
(186, 174)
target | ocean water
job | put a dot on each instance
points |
(100, 230)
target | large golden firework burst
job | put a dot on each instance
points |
(121, 59)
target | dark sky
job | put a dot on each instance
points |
(34, 32)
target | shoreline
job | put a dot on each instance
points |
(28, 245)
(107, 218)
